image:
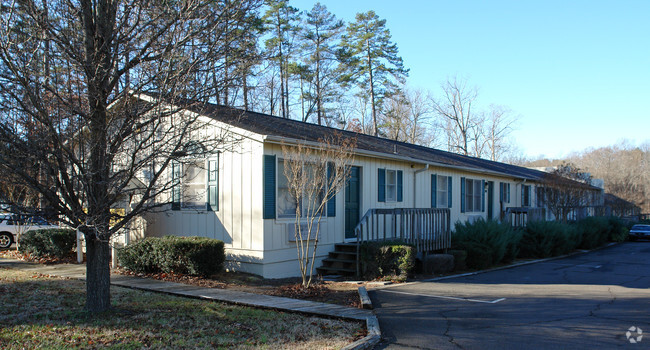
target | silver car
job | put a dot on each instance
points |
(12, 224)
(639, 232)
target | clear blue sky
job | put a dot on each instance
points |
(577, 72)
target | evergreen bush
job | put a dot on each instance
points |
(52, 242)
(500, 239)
(185, 255)
(387, 259)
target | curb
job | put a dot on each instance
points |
(372, 325)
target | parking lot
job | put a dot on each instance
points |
(585, 301)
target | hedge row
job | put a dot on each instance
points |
(491, 242)
(54, 242)
(186, 255)
(387, 259)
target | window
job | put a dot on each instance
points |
(440, 191)
(389, 185)
(473, 195)
(195, 184)
(525, 195)
(504, 192)
(286, 203)
(539, 195)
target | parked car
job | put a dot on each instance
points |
(13, 224)
(639, 232)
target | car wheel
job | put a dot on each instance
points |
(5, 239)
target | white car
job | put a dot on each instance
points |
(12, 224)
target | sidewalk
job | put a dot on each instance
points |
(222, 295)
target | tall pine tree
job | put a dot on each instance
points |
(321, 36)
(372, 61)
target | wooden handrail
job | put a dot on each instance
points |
(427, 229)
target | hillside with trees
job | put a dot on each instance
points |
(625, 168)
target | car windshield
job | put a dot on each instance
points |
(641, 227)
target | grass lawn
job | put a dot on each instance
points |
(46, 312)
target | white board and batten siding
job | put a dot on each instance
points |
(238, 220)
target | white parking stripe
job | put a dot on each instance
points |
(445, 297)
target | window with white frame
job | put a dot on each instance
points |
(195, 184)
(286, 203)
(442, 192)
(473, 195)
(391, 185)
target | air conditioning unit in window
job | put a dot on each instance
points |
(291, 232)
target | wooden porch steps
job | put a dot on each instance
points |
(341, 261)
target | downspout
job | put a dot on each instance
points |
(415, 174)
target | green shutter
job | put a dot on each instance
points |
(482, 195)
(501, 198)
(176, 186)
(449, 196)
(462, 194)
(269, 187)
(399, 186)
(331, 203)
(381, 185)
(213, 184)
(434, 190)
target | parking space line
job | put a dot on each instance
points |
(446, 297)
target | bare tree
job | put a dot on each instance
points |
(455, 108)
(314, 176)
(565, 190)
(97, 82)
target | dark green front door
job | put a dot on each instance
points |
(352, 199)
(490, 200)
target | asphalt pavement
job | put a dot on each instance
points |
(595, 300)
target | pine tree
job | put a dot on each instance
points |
(372, 60)
(321, 36)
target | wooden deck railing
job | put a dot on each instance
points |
(426, 229)
(520, 217)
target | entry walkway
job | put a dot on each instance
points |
(78, 271)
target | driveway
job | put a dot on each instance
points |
(585, 301)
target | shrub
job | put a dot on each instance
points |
(499, 238)
(595, 231)
(53, 242)
(383, 259)
(479, 255)
(185, 255)
(544, 239)
(139, 256)
(460, 259)
(617, 230)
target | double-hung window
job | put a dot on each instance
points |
(195, 184)
(504, 192)
(389, 184)
(525, 196)
(440, 191)
(472, 195)
(286, 202)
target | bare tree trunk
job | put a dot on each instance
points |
(98, 296)
(372, 93)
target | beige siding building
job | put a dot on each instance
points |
(236, 195)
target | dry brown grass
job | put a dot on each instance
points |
(46, 312)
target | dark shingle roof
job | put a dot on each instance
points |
(275, 126)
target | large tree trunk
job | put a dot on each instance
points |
(98, 274)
